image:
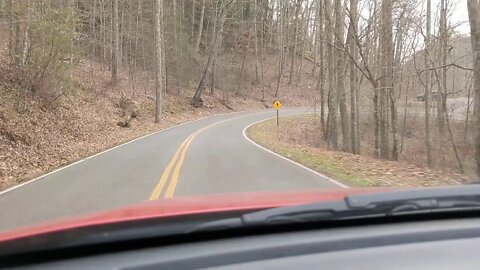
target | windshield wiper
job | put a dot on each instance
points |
(395, 203)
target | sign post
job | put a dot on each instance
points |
(277, 105)
(277, 119)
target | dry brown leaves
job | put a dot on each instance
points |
(305, 133)
(83, 123)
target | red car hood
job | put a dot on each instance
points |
(165, 208)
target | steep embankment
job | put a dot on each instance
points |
(43, 131)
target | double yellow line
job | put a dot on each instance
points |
(178, 158)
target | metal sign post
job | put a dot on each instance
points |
(277, 119)
(277, 105)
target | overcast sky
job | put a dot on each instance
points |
(459, 14)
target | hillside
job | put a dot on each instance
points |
(46, 132)
(77, 77)
(459, 53)
(59, 103)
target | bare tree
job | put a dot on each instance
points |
(386, 79)
(443, 91)
(474, 17)
(255, 33)
(321, 75)
(11, 29)
(340, 84)
(295, 36)
(200, 29)
(352, 30)
(116, 41)
(158, 61)
(427, 94)
(306, 18)
(331, 130)
(197, 98)
(281, 46)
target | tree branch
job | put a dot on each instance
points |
(448, 65)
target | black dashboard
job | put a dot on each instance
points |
(437, 244)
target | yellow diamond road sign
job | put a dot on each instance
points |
(277, 105)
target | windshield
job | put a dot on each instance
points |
(209, 105)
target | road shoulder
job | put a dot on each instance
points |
(299, 138)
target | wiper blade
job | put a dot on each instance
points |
(368, 200)
(409, 202)
(372, 205)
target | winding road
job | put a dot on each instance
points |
(207, 156)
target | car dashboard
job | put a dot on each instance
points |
(439, 244)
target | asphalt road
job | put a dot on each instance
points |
(207, 156)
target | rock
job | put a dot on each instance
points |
(130, 111)
(197, 103)
(227, 105)
(130, 107)
(125, 124)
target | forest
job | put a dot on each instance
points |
(391, 79)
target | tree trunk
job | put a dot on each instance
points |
(17, 34)
(398, 80)
(175, 46)
(193, 20)
(121, 34)
(332, 136)
(393, 118)
(180, 60)
(339, 67)
(295, 35)
(262, 58)
(21, 33)
(93, 28)
(135, 48)
(474, 17)
(405, 110)
(116, 41)
(270, 35)
(11, 30)
(158, 61)
(386, 82)
(200, 29)
(256, 39)
(26, 43)
(242, 71)
(197, 98)
(352, 29)
(377, 59)
(280, 49)
(212, 80)
(103, 34)
(467, 113)
(428, 144)
(321, 75)
(443, 48)
(305, 40)
(164, 50)
(316, 36)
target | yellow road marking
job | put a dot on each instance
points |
(163, 180)
(181, 151)
(176, 172)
